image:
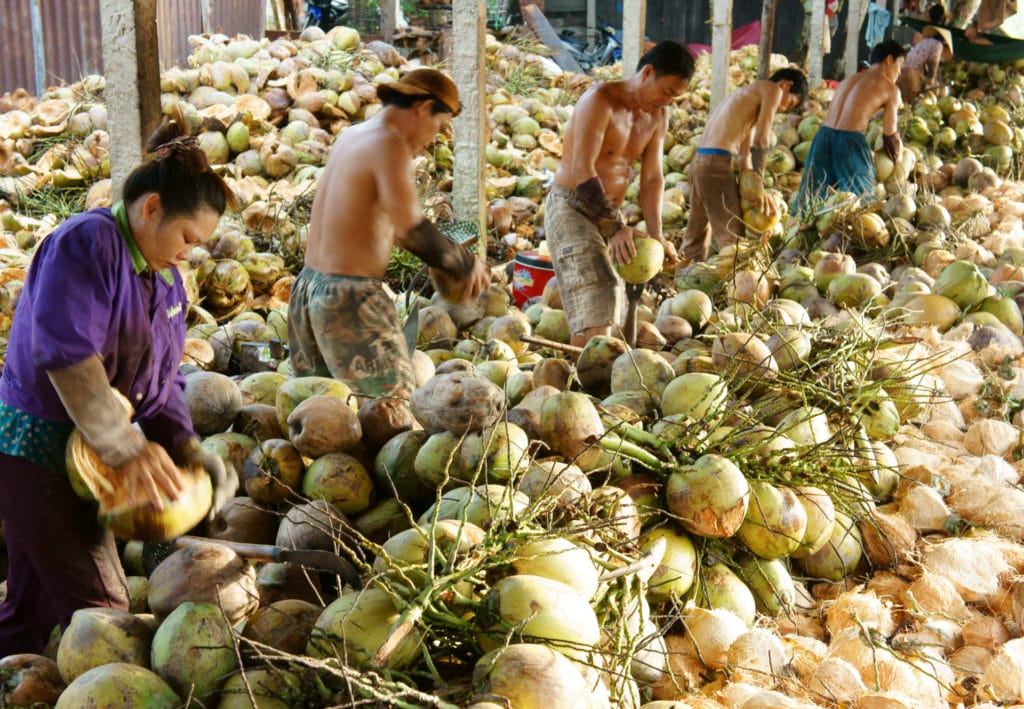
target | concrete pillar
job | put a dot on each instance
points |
(592, 20)
(469, 21)
(132, 68)
(854, 20)
(721, 43)
(814, 50)
(634, 25)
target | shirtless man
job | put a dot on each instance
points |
(840, 157)
(739, 126)
(613, 124)
(341, 323)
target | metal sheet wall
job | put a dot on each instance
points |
(68, 35)
(65, 32)
(16, 63)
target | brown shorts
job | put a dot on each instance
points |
(347, 327)
(592, 293)
(715, 211)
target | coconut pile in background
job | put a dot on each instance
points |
(801, 489)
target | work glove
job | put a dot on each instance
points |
(223, 476)
(758, 159)
(892, 145)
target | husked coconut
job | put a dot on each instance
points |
(836, 680)
(1003, 679)
(973, 565)
(991, 437)
(859, 608)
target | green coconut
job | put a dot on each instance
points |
(119, 685)
(354, 628)
(97, 636)
(193, 650)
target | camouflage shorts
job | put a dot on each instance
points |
(347, 327)
(592, 293)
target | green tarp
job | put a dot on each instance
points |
(1002, 50)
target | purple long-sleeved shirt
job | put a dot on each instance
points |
(88, 291)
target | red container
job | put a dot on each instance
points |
(530, 274)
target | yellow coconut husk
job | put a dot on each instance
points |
(945, 432)
(923, 508)
(889, 540)
(974, 565)
(933, 593)
(993, 504)
(836, 680)
(917, 677)
(888, 586)
(808, 626)
(683, 674)
(851, 645)
(758, 657)
(883, 700)
(970, 660)
(806, 653)
(933, 634)
(859, 608)
(710, 632)
(1003, 679)
(986, 632)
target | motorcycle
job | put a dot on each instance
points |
(326, 14)
(606, 51)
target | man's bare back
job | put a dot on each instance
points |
(861, 96)
(731, 124)
(349, 232)
(624, 130)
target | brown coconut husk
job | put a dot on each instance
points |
(932, 593)
(889, 540)
(986, 632)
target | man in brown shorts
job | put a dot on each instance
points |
(739, 126)
(341, 323)
(613, 124)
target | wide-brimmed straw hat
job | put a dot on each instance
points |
(941, 34)
(428, 83)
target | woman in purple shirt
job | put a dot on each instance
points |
(103, 308)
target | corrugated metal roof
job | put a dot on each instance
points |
(68, 36)
(16, 64)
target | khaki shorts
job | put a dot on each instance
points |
(592, 293)
(347, 327)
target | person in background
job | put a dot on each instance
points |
(341, 322)
(613, 124)
(103, 308)
(739, 127)
(840, 157)
(978, 17)
(920, 70)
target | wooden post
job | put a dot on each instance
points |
(764, 45)
(634, 25)
(721, 42)
(469, 22)
(592, 20)
(132, 67)
(854, 20)
(388, 19)
(814, 50)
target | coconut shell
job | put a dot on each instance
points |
(323, 424)
(313, 525)
(459, 402)
(258, 421)
(284, 625)
(213, 400)
(889, 540)
(204, 573)
(383, 419)
(242, 520)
